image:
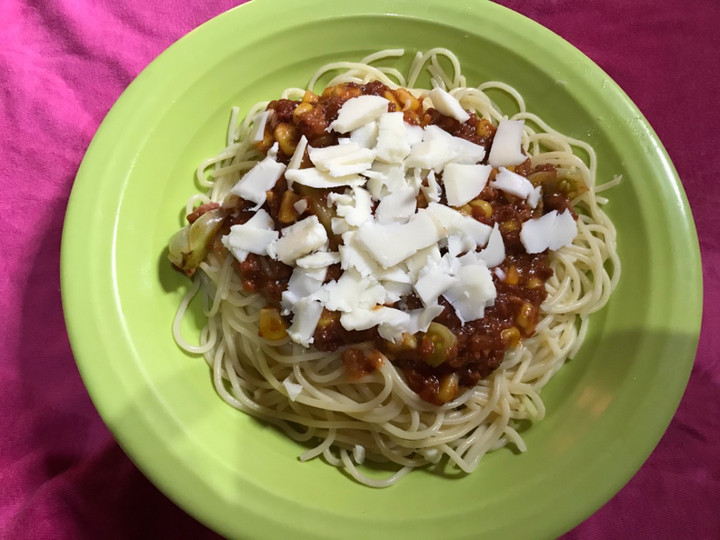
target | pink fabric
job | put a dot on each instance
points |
(62, 65)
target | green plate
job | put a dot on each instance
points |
(606, 409)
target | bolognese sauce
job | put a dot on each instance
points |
(450, 355)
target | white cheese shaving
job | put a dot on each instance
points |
(534, 198)
(258, 180)
(245, 240)
(358, 111)
(448, 105)
(413, 134)
(535, 232)
(415, 263)
(306, 315)
(433, 152)
(359, 454)
(395, 290)
(354, 206)
(392, 144)
(464, 182)
(339, 225)
(391, 243)
(506, 149)
(302, 284)
(420, 319)
(317, 273)
(314, 177)
(432, 282)
(438, 148)
(366, 135)
(466, 151)
(298, 155)
(451, 222)
(396, 275)
(252, 236)
(451, 264)
(344, 294)
(390, 176)
(352, 255)
(353, 291)
(563, 232)
(293, 389)
(392, 323)
(457, 244)
(273, 152)
(300, 206)
(298, 239)
(399, 206)
(342, 159)
(551, 231)
(388, 320)
(473, 291)
(515, 184)
(432, 191)
(319, 259)
(259, 122)
(494, 252)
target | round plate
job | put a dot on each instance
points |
(606, 409)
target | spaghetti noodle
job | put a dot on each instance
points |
(378, 416)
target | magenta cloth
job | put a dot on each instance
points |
(63, 63)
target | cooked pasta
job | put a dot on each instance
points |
(378, 415)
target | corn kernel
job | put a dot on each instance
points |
(481, 208)
(391, 98)
(272, 325)
(510, 336)
(287, 137)
(527, 316)
(287, 212)
(511, 276)
(300, 110)
(534, 283)
(509, 225)
(448, 387)
(407, 100)
(310, 97)
(327, 318)
(484, 128)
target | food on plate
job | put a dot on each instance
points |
(392, 273)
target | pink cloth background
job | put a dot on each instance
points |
(62, 65)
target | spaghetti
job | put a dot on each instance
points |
(380, 416)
